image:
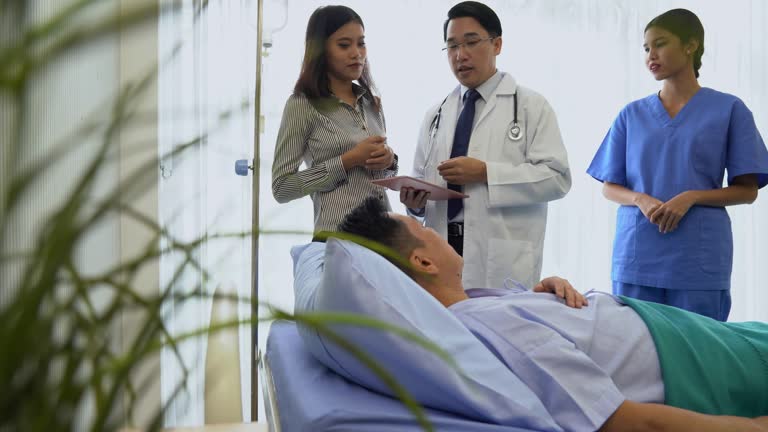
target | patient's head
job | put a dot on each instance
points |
(371, 221)
(431, 261)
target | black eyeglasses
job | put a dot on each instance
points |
(469, 44)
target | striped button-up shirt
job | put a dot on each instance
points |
(318, 132)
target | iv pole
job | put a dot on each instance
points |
(255, 223)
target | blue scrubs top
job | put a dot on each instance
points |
(647, 151)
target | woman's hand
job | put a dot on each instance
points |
(413, 198)
(668, 215)
(380, 158)
(563, 289)
(362, 151)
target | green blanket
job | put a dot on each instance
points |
(709, 366)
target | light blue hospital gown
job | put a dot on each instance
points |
(581, 363)
(647, 151)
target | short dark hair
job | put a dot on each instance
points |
(313, 79)
(685, 25)
(472, 9)
(371, 221)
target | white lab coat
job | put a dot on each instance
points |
(505, 219)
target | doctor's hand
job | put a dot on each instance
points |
(381, 158)
(668, 215)
(362, 151)
(462, 170)
(563, 289)
(413, 198)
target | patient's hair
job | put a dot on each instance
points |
(371, 220)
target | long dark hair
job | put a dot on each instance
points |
(313, 80)
(685, 25)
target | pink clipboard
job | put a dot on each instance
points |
(436, 193)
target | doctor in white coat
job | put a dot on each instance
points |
(515, 161)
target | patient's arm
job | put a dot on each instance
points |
(634, 416)
(563, 289)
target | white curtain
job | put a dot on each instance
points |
(206, 89)
(586, 58)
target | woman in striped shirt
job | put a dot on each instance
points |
(333, 123)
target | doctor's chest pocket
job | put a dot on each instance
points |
(511, 150)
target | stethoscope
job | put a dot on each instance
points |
(515, 132)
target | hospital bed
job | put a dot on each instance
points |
(301, 395)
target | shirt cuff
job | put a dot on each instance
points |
(394, 166)
(606, 407)
(416, 212)
(337, 175)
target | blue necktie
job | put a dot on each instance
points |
(461, 144)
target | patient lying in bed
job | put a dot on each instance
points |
(615, 364)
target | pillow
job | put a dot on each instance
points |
(308, 263)
(357, 280)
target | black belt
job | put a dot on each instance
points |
(456, 229)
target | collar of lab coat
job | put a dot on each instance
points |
(507, 87)
(499, 83)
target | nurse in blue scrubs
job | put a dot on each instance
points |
(664, 160)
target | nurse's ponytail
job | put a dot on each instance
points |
(697, 59)
(685, 25)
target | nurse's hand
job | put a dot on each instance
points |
(413, 198)
(668, 215)
(647, 204)
(563, 289)
(462, 170)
